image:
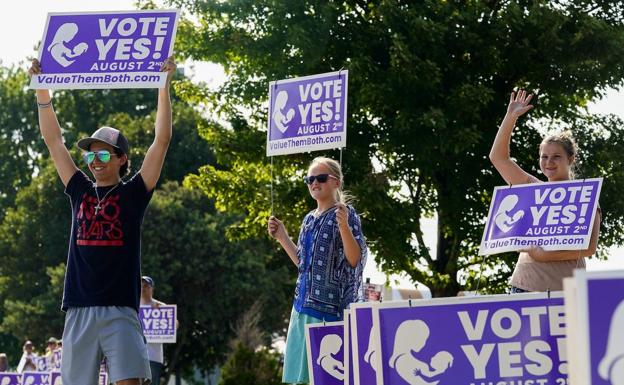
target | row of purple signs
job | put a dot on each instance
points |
(501, 339)
(40, 378)
(126, 49)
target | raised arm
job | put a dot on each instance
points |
(51, 131)
(155, 156)
(500, 154)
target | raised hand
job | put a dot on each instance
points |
(35, 68)
(519, 104)
(169, 66)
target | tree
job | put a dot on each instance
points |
(429, 82)
(213, 281)
(249, 362)
(19, 137)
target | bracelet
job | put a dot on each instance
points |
(44, 105)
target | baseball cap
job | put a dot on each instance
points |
(52, 340)
(108, 135)
(148, 280)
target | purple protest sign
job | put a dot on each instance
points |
(474, 340)
(348, 336)
(36, 378)
(11, 379)
(600, 339)
(307, 114)
(325, 348)
(55, 378)
(103, 378)
(159, 323)
(43, 363)
(362, 345)
(106, 49)
(57, 356)
(553, 215)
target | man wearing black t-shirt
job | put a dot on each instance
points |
(102, 281)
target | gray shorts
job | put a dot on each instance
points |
(94, 332)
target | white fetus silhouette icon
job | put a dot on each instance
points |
(279, 118)
(371, 356)
(411, 337)
(330, 346)
(611, 367)
(503, 219)
(62, 53)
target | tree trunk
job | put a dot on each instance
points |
(445, 264)
(174, 361)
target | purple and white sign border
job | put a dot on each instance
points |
(348, 362)
(569, 246)
(309, 346)
(163, 339)
(582, 340)
(341, 143)
(355, 338)
(34, 84)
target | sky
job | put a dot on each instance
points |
(21, 27)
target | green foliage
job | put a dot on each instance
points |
(249, 362)
(212, 281)
(18, 135)
(429, 83)
(248, 367)
(33, 244)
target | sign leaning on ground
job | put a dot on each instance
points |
(365, 359)
(348, 355)
(106, 49)
(159, 323)
(553, 215)
(325, 352)
(499, 339)
(307, 113)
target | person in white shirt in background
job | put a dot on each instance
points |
(27, 362)
(154, 350)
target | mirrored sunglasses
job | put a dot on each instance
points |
(103, 155)
(321, 178)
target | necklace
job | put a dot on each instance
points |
(99, 201)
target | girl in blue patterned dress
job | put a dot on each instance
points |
(330, 255)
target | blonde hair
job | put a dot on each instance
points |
(565, 140)
(335, 169)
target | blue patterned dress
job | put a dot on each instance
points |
(326, 283)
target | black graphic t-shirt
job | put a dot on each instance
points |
(104, 261)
